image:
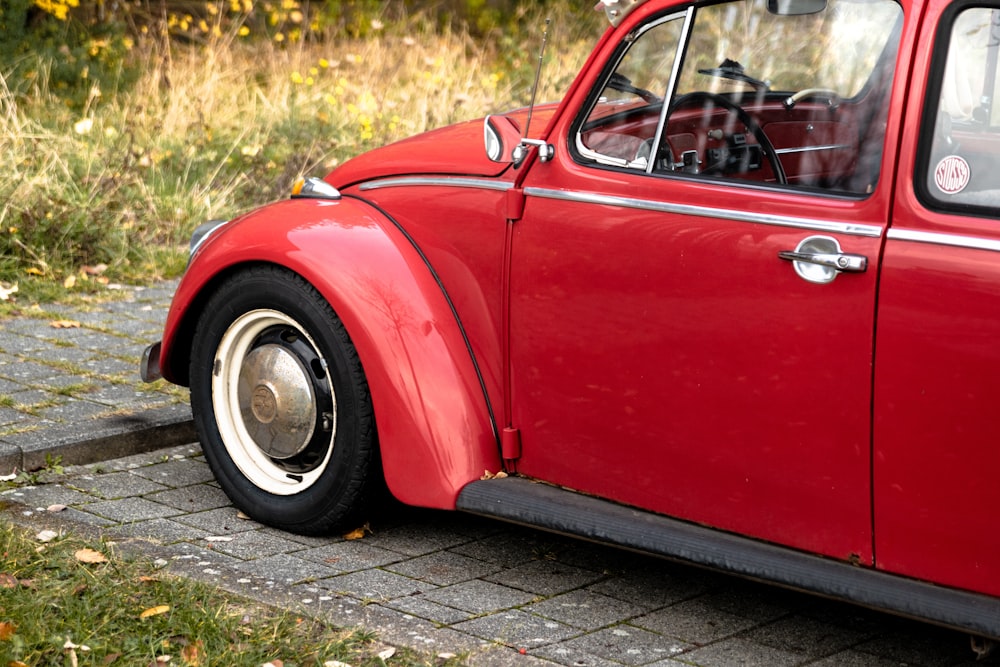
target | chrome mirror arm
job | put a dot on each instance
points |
(546, 151)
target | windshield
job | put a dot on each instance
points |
(836, 49)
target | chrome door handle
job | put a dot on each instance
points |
(819, 259)
(838, 261)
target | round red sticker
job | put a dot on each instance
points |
(952, 174)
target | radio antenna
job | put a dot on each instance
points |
(538, 74)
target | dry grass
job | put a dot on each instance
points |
(211, 129)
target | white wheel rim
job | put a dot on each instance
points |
(260, 469)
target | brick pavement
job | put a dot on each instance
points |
(69, 385)
(434, 581)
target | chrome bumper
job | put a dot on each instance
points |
(149, 367)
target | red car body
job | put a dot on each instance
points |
(644, 345)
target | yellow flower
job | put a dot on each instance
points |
(296, 78)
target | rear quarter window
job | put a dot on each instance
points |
(959, 161)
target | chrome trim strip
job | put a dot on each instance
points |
(600, 158)
(937, 238)
(661, 125)
(849, 228)
(809, 149)
(447, 181)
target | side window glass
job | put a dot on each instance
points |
(620, 127)
(763, 94)
(961, 128)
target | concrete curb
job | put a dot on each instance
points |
(105, 438)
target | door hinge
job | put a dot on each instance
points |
(515, 204)
(510, 444)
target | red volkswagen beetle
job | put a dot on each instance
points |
(735, 300)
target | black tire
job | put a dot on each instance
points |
(281, 404)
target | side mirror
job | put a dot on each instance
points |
(795, 7)
(501, 135)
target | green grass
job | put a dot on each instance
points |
(52, 598)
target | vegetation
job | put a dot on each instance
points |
(65, 601)
(125, 125)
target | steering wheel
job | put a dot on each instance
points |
(755, 129)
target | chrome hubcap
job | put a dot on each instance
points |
(277, 401)
(274, 402)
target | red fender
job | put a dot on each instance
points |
(435, 430)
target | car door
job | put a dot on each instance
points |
(937, 353)
(676, 342)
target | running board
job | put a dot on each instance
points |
(539, 505)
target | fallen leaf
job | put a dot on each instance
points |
(386, 654)
(192, 653)
(46, 536)
(274, 663)
(489, 475)
(358, 533)
(5, 292)
(241, 515)
(64, 324)
(8, 580)
(90, 556)
(335, 663)
(148, 580)
(16, 663)
(70, 646)
(70, 282)
(95, 270)
(7, 630)
(219, 538)
(55, 508)
(155, 611)
(34, 271)
(8, 478)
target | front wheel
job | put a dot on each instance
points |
(281, 403)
